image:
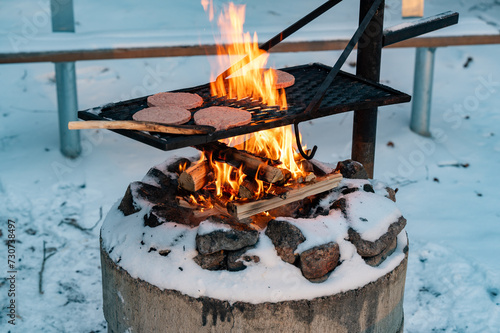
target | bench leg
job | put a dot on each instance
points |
(67, 104)
(422, 91)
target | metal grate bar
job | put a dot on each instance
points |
(346, 93)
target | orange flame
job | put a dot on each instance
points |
(250, 81)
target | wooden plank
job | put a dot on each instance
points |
(247, 209)
(141, 126)
(178, 51)
(448, 41)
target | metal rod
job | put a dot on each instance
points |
(406, 31)
(368, 66)
(67, 100)
(309, 156)
(281, 36)
(320, 93)
(67, 105)
(422, 91)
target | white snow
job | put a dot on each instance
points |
(453, 277)
(207, 227)
(135, 248)
(370, 214)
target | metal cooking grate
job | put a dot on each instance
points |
(346, 93)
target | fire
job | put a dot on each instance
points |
(273, 144)
(276, 144)
(251, 80)
(255, 82)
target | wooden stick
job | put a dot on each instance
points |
(40, 273)
(141, 126)
(195, 177)
(247, 209)
(252, 165)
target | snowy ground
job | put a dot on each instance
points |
(447, 183)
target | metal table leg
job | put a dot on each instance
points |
(67, 101)
(67, 104)
(422, 91)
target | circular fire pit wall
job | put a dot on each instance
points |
(334, 262)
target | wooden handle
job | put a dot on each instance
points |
(141, 126)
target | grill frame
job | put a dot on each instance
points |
(347, 93)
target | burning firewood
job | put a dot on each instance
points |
(248, 189)
(195, 177)
(252, 165)
(299, 192)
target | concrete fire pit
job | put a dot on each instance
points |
(134, 305)
(339, 267)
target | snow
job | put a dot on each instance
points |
(371, 214)
(453, 277)
(135, 248)
(29, 29)
(207, 227)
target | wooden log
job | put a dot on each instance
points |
(141, 126)
(195, 177)
(308, 178)
(248, 189)
(247, 209)
(253, 166)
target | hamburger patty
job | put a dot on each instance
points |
(283, 79)
(222, 117)
(169, 115)
(185, 100)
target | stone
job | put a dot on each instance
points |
(378, 259)
(212, 262)
(226, 240)
(320, 260)
(340, 204)
(320, 211)
(285, 237)
(170, 212)
(319, 168)
(167, 183)
(298, 209)
(352, 169)
(127, 206)
(149, 193)
(137, 192)
(368, 188)
(243, 224)
(236, 259)
(163, 190)
(346, 190)
(391, 194)
(370, 249)
(164, 252)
